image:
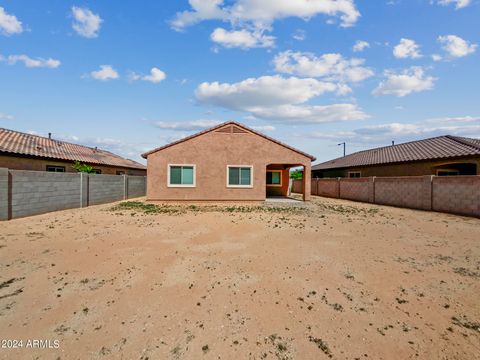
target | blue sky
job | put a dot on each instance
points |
(130, 77)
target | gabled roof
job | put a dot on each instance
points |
(220, 126)
(14, 142)
(428, 149)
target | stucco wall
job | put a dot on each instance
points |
(37, 164)
(211, 153)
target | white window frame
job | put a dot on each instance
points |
(182, 185)
(281, 173)
(240, 166)
(354, 172)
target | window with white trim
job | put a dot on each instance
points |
(239, 176)
(55, 168)
(274, 177)
(181, 175)
(354, 174)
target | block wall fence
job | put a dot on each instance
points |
(25, 193)
(450, 194)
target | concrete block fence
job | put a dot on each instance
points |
(25, 193)
(450, 194)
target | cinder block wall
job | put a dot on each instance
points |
(34, 192)
(25, 193)
(457, 194)
(355, 189)
(450, 194)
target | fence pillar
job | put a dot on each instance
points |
(337, 188)
(427, 193)
(125, 187)
(371, 189)
(84, 188)
(4, 195)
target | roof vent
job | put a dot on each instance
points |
(49, 135)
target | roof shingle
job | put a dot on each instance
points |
(428, 149)
(15, 142)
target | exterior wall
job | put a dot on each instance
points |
(418, 168)
(451, 194)
(39, 164)
(25, 193)
(211, 153)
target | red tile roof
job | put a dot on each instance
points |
(313, 158)
(428, 149)
(15, 142)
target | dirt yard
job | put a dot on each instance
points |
(334, 279)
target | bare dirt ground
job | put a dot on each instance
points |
(335, 279)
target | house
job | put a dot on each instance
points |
(227, 162)
(441, 156)
(21, 151)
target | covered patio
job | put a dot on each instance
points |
(278, 184)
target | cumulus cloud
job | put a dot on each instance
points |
(404, 83)
(299, 35)
(407, 48)
(193, 125)
(263, 13)
(9, 24)
(263, 128)
(332, 67)
(86, 23)
(105, 73)
(459, 4)
(156, 75)
(243, 39)
(455, 46)
(31, 62)
(454, 120)
(360, 45)
(279, 98)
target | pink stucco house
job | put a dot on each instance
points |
(229, 162)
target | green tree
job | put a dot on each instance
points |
(296, 175)
(82, 167)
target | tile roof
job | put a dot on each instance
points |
(428, 149)
(313, 158)
(15, 142)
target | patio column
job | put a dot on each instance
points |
(306, 182)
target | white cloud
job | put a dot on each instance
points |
(455, 46)
(9, 24)
(279, 98)
(105, 73)
(404, 83)
(407, 48)
(437, 57)
(333, 67)
(262, 13)
(86, 23)
(30, 62)
(156, 75)
(459, 4)
(193, 125)
(263, 128)
(299, 35)
(360, 45)
(458, 119)
(6, 117)
(243, 39)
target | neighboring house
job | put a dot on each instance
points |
(226, 162)
(21, 151)
(443, 155)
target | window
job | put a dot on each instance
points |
(55, 168)
(447, 172)
(239, 175)
(181, 175)
(354, 174)
(96, 171)
(119, 172)
(274, 177)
